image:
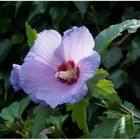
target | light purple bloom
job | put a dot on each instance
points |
(56, 68)
(15, 77)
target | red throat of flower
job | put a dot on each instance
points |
(68, 73)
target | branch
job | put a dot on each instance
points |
(118, 43)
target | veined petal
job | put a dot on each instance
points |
(14, 79)
(88, 65)
(79, 95)
(59, 94)
(39, 82)
(44, 46)
(34, 75)
(77, 43)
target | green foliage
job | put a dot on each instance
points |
(57, 13)
(15, 110)
(82, 6)
(104, 38)
(114, 128)
(5, 47)
(131, 107)
(31, 34)
(18, 127)
(99, 74)
(57, 122)
(37, 8)
(13, 118)
(111, 57)
(118, 78)
(80, 108)
(130, 129)
(107, 129)
(41, 113)
(134, 51)
(22, 105)
(104, 90)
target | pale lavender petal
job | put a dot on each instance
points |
(44, 46)
(79, 95)
(39, 82)
(58, 94)
(77, 43)
(34, 75)
(88, 66)
(14, 79)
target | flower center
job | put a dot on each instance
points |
(68, 73)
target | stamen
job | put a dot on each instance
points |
(68, 73)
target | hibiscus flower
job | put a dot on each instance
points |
(56, 68)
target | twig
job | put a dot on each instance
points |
(116, 44)
(63, 133)
(137, 122)
(130, 111)
(100, 105)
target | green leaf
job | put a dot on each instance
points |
(82, 6)
(57, 13)
(120, 131)
(38, 7)
(114, 128)
(6, 113)
(111, 57)
(104, 90)
(17, 38)
(112, 114)
(127, 125)
(15, 110)
(130, 129)
(31, 34)
(41, 114)
(133, 51)
(57, 122)
(23, 105)
(99, 74)
(118, 78)
(131, 107)
(79, 114)
(5, 47)
(137, 134)
(104, 38)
